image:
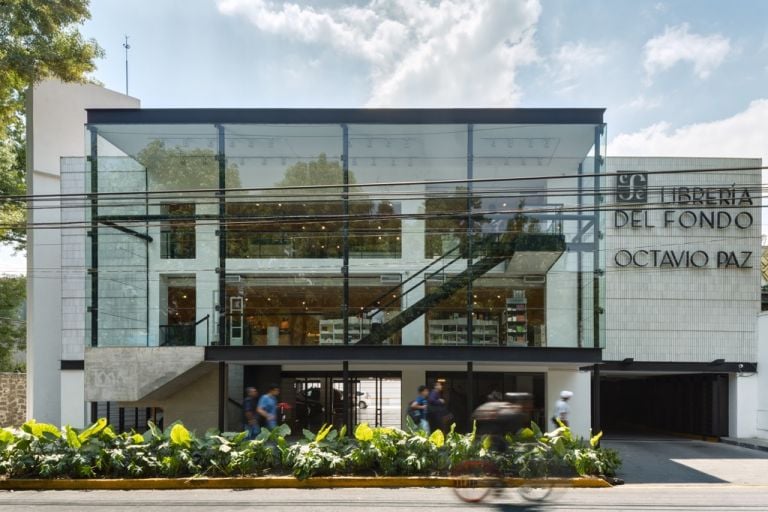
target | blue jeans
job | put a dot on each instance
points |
(424, 425)
(253, 430)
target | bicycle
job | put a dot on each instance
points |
(475, 480)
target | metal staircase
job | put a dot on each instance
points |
(492, 251)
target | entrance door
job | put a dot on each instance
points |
(318, 399)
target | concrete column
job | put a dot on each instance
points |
(413, 243)
(414, 333)
(579, 383)
(562, 327)
(206, 281)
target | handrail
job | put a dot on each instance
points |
(205, 319)
(421, 271)
(489, 238)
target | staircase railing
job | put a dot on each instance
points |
(495, 249)
(184, 335)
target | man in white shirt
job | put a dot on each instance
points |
(562, 410)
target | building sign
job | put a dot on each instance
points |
(632, 187)
(698, 208)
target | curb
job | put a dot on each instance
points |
(744, 444)
(281, 482)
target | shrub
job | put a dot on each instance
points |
(39, 450)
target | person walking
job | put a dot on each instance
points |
(267, 407)
(250, 403)
(437, 411)
(418, 409)
(562, 409)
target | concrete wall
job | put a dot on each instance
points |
(13, 399)
(196, 405)
(130, 374)
(668, 313)
(55, 119)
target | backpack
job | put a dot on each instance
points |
(414, 414)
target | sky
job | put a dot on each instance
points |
(678, 78)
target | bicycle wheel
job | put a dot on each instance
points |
(535, 490)
(475, 479)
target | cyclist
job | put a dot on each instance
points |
(496, 418)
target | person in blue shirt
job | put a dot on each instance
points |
(419, 408)
(267, 407)
(250, 402)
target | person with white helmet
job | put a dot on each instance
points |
(562, 410)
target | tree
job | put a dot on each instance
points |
(309, 222)
(175, 168)
(39, 39)
(12, 326)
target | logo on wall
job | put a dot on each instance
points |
(632, 187)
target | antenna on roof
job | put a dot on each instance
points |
(127, 47)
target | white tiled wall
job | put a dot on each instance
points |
(73, 270)
(682, 314)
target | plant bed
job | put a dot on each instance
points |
(43, 451)
(277, 482)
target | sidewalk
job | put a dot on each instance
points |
(748, 442)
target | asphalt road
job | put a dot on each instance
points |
(678, 498)
(661, 474)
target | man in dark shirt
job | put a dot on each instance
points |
(436, 409)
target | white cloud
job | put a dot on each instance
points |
(420, 52)
(572, 60)
(677, 44)
(742, 135)
(642, 102)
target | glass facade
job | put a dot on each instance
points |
(345, 233)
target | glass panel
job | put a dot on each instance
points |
(122, 289)
(533, 234)
(178, 311)
(399, 223)
(269, 219)
(177, 235)
(141, 232)
(293, 310)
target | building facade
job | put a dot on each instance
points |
(350, 255)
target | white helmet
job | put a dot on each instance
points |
(565, 395)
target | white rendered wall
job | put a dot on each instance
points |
(742, 405)
(762, 377)
(55, 129)
(580, 384)
(73, 406)
(682, 314)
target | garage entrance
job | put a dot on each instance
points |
(687, 403)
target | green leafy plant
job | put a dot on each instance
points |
(40, 450)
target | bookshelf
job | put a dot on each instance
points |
(517, 320)
(453, 331)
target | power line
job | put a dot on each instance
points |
(458, 181)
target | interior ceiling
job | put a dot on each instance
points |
(530, 150)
